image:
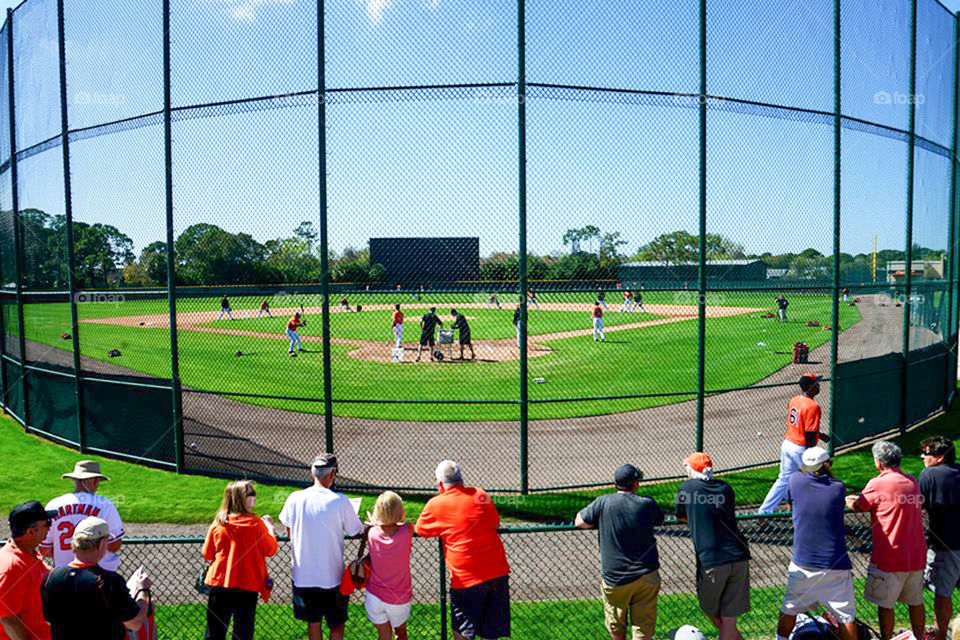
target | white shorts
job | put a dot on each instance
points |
(832, 588)
(379, 612)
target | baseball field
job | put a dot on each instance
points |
(644, 354)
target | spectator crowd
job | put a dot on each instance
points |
(84, 596)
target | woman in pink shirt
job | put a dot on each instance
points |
(389, 589)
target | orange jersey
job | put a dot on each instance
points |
(264, 304)
(398, 317)
(293, 324)
(803, 415)
(597, 312)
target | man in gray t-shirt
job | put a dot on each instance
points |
(628, 554)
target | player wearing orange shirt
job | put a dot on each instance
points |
(292, 326)
(398, 326)
(803, 431)
(597, 322)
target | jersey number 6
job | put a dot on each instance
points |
(794, 414)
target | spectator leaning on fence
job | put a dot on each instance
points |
(466, 520)
(629, 564)
(22, 571)
(77, 505)
(237, 545)
(820, 571)
(84, 600)
(803, 431)
(899, 548)
(940, 488)
(389, 588)
(317, 519)
(723, 558)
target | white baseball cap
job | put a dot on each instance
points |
(813, 458)
(686, 632)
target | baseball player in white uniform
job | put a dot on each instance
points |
(598, 323)
(74, 507)
(627, 302)
(398, 326)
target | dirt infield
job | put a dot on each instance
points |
(488, 350)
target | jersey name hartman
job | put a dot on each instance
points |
(77, 509)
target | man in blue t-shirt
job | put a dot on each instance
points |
(940, 488)
(628, 554)
(820, 569)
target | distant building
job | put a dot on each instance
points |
(927, 269)
(776, 274)
(685, 274)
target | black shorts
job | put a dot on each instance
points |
(313, 604)
(426, 339)
(464, 337)
(482, 610)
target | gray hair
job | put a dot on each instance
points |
(448, 473)
(887, 454)
(321, 473)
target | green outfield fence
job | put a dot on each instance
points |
(554, 583)
(706, 155)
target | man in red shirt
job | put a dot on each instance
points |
(22, 571)
(292, 326)
(899, 546)
(398, 326)
(466, 520)
(803, 431)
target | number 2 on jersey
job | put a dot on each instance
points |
(66, 534)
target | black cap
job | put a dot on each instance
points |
(23, 516)
(626, 475)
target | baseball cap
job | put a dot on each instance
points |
(23, 516)
(687, 632)
(324, 461)
(698, 461)
(626, 475)
(813, 458)
(808, 379)
(91, 528)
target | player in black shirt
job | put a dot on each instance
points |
(460, 324)
(428, 325)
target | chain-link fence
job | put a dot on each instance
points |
(633, 220)
(554, 583)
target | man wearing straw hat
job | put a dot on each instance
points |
(71, 508)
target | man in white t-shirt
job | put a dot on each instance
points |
(74, 507)
(317, 518)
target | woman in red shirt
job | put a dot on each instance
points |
(237, 545)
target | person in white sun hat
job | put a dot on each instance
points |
(71, 508)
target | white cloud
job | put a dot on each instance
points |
(246, 10)
(375, 9)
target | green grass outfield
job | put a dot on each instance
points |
(152, 495)
(557, 619)
(741, 350)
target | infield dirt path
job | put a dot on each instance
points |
(741, 428)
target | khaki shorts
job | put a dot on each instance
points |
(638, 599)
(724, 591)
(886, 589)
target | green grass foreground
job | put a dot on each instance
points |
(662, 359)
(152, 495)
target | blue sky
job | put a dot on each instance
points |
(445, 163)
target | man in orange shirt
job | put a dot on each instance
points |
(22, 571)
(292, 326)
(398, 326)
(466, 520)
(803, 431)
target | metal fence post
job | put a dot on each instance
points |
(835, 333)
(950, 379)
(443, 588)
(171, 263)
(908, 256)
(17, 231)
(324, 238)
(71, 247)
(522, 167)
(702, 258)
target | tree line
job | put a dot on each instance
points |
(206, 254)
